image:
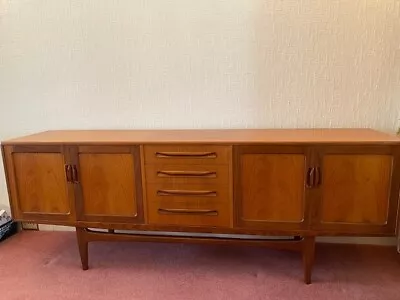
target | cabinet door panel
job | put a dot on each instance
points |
(356, 188)
(38, 185)
(109, 184)
(274, 187)
(359, 191)
(270, 188)
(41, 183)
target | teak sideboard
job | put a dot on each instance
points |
(298, 183)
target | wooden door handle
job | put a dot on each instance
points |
(310, 178)
(186, 154)
(186, 193)
(207, 212)
(68, 173)
(318, 176)
(210, 174)
(74, 174)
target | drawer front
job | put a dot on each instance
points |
(187, 154)
(190, 213)
(187, 174)
(188, 193)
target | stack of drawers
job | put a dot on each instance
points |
(188, 185)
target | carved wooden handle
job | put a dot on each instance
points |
(318, 176)
(186, 193)
(186, 154)
(68, 172)
(310, 178)
(207, 212)
(74, 174)
(210, 174)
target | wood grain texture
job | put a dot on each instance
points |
(356, 188)
(108, 184)
(41, 183)
(273, 187)
(233, 136)
(260, 186)
(357, 216)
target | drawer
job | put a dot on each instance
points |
(187, 154)
(185, 193)
(189, 214)
(191, 174)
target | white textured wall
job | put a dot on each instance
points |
(198, 64)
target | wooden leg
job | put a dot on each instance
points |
(308, 257)
(83, 247)
(111, 231)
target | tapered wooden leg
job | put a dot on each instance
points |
(308, 257)
(83, 247)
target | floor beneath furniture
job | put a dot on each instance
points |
(46, 265)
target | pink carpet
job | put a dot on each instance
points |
(46, 265)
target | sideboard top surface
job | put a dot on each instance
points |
(218, 136)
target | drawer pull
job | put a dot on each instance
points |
(186, 154)
(208, 174)
(206, 212)
(186, 193)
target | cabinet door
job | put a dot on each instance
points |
(270, 187)
(358, 189)
(109, 187)
(38, 186)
